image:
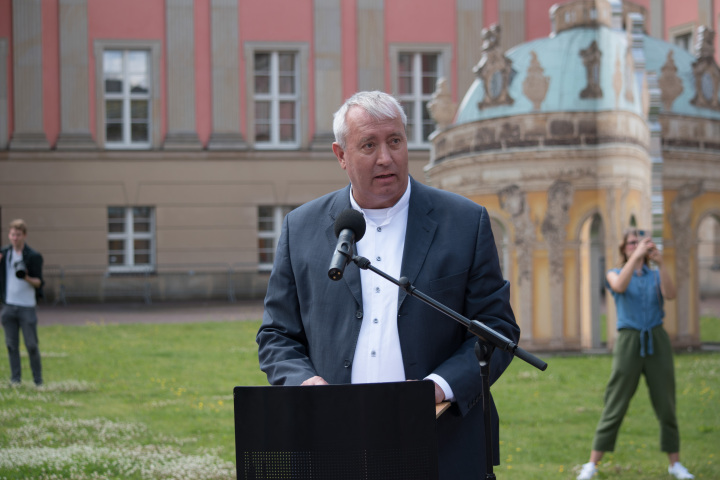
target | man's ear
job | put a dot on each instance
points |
(340, 154)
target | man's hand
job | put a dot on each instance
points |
(439, 394)
(316, 380)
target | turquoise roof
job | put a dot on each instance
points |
(560, 58)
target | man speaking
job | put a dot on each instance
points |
(364, 329)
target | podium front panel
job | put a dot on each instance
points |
(336, 432)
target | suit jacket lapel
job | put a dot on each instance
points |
(351, 276)
(419, 235)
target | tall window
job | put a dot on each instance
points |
(276, 99)
(126, 75)
(417, 75)
(270, 220)
(684, 41)
(131, 239)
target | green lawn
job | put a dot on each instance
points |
(155, 401)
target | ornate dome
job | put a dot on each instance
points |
(587, 65)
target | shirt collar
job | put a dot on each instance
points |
(378, 212)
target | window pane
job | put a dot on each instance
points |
(112, 61)
(405, 63)
(142, 259)
(287, 133)
(404, 85)
(139, 132)
(429, 83)
(113, 84)
(116, 213)
(114, 132)
(142, 212)
(116, 246)
(139, 84)
(262, 132)
(113, 109)
(429, 63)
(262, 63)
(139, 109)
(265, 219)
(141, 244)
(262, 84)
(409, 108)
(116, 259)
(137, 61)
(262, 111)
(287, 111)
(140, 227)
(287, 84)
(286, 62)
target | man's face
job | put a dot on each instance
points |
(17, 238)
(375, 158)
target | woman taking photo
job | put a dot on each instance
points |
(642, 347)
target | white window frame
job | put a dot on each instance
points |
(681, 30)
(300, 97)
(129, 236)
(279, 212)
(154, 126)
(444, 53)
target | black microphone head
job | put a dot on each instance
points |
(352, 220)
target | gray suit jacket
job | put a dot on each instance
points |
(311, 323)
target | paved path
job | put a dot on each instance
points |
(165, 312)
(181, 312)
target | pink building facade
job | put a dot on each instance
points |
(153, 146)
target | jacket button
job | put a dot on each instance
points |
(347, 363)
(359, 314)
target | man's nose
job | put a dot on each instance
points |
(384, 156)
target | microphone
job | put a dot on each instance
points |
(349, 228)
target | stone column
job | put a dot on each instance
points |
(27, 76)
(74, 84)
(657, 18)
(182, 133)
(705, 13)
(512, 21)
(469, 39)
(226, 134)
(370, 44)
(328, 70)
(3, 94)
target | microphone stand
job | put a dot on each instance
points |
(488, 340)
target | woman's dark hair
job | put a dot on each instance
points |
(637, 234)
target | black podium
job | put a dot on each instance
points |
(336, 432)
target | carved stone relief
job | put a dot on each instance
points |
(560, 196)
(617, 80)
(706, 71)
(680, 220)
(442, 108)
(670, 84)
(536, 85)
(629, 71)
(495, 70)
(591, 59)
(513, 201)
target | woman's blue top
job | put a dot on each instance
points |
(640, 307)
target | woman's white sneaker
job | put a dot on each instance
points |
(677, 470)
(587, 471)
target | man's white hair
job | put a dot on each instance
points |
(379, 105)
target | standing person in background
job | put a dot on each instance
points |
(21, 285)
(362, 329)
(642, 348)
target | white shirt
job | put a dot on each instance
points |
(378, 357)
(18, 292)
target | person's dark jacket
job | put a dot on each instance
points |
(33, 262)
